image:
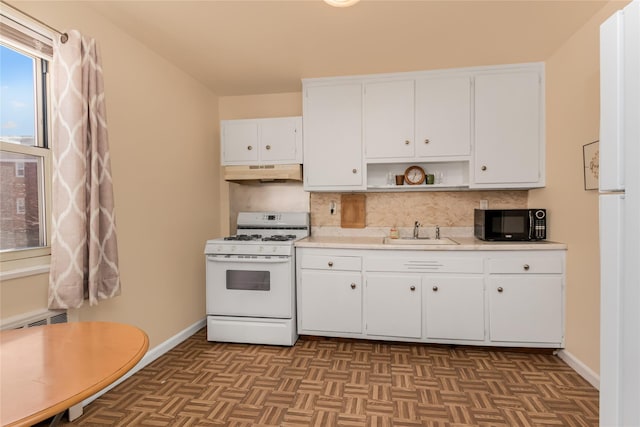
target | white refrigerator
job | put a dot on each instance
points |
(619, 176)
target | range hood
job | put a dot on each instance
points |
(262, 173)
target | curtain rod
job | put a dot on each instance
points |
(63, 36)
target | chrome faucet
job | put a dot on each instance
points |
(437, 232)
(416, 229)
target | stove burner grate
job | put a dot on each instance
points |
(279, 238)
(244, 237)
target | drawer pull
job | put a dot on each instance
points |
(330, 263)
(353, 286)
(407, 142)
(249, 148)
(500, 289)
(354, 170)
(435, 289)
(268, 147)
(484, 168)
(426, 141)
(413, 288)
(526, 267)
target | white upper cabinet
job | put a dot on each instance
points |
(261, 141)
(486, 121)
(443, 117)
(509, 135)
(333, 137)
(388, 120)
(417, 120)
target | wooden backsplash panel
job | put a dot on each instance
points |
(353, 211)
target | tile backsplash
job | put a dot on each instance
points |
(402, 209)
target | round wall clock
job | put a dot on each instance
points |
(414, 175)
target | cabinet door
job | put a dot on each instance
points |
(239, 142)
(454, 307)
(388, 119)
(525, 309)
(333, 137)
(330, 301)
(281, 140)
(508, 129)
(393, 305)
(443, 117)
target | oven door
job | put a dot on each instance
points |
(254, 286)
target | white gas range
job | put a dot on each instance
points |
(250, 290)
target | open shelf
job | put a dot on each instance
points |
(453, 176)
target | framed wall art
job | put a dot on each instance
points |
(591, 161)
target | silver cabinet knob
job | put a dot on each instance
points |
(413, 288)
(435, 289)
(330, 263)
(268, 147)
(526, 267)
(354, 170)
(500, 289)
(407, 142)
(353, 286)
(484, 168)
(249, 148)
(426, 141)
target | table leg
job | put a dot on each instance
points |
(55, 420)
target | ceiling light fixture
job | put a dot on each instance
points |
(341, 3)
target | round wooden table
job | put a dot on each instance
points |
(45, 370)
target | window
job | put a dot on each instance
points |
(19, 169)
(24, 155)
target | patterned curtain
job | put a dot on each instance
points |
(84, 252)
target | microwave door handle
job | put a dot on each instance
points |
(530, 225)
(258, 260)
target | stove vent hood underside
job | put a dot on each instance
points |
(262, 173)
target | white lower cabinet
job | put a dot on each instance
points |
(454, 307)
(330, 301)
(525, 309)
(473, 297)
(393, 305)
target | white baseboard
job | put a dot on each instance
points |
(583, 370)
(151, 355)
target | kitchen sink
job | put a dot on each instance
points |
(419, 241)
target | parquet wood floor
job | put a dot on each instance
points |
(335, 382)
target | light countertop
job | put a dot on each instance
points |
(463, 244)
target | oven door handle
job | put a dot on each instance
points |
(257, 260)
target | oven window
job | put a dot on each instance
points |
(248, 280)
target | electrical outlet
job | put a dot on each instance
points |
(484, 204)
(332, 208)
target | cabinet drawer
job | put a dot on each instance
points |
(526, 265)
(327, 262)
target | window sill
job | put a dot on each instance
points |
(23, 268)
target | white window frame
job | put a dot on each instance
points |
(28, 259)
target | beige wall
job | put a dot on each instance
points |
(572, 76)
(163, 128)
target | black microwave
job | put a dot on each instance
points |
(510, 224)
